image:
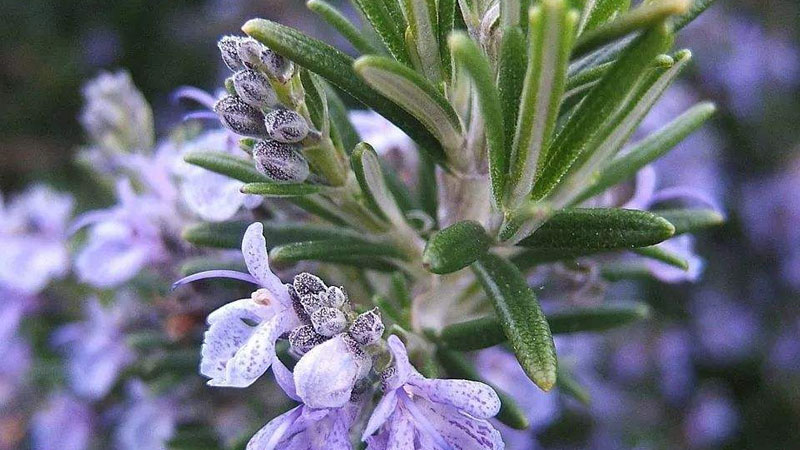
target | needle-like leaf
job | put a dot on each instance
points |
(337, 20)
(385, 24)
(690, 220)
(455, 247)
(281, 189)
(332, 250)
(230, 234)
(225, 164)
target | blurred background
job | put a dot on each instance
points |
(717, 367)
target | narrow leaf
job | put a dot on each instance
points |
(280, 189)
(455, 247)
(337, 20)
(601, 102)
(698, 6)
(332, 250)
(446, 15)
(427, 190)
(416, 95)
(336, 67)
(222, 163)
(477, 67)
(230, 234)
(488, 331)
(645, 16)
(400, 290)
(368, 171)
(598, 12)
(340, 120)
(649, 149)
(691, 220)
(599, 229)
(422, 22)
(551, 28)
(387, 27)
(457, 366)
(568, 385)
(521, 318)
(660, 254)
(315, 100)
(511, 75)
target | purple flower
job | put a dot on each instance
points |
(239, 345)
(123, 239)
(304, 427)
(14, 349)
(380, 133)
(95, 349)
(419, 413)
(33, 239)
(711, 418)
(148, 422)
(65, 423)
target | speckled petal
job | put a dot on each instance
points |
(403, 369)
(385, 407)
(268, 437)
(472, 397)
(254, 250)
(401, 433)
(325, 376)
(459, 430)
(285, 379)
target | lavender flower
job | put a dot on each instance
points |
(65, 423)
(95, 348)
(419, 413)
(122, 239)
(33, 239)
(148, 422)
(304, 427)
(14, 349)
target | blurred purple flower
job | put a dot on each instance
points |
(304, 427)
(380, 133)
(236, 353)
(95, 348)
(65, 423)
(33, 239)
(728, 331)
(674, 359)
(14, 349)
(420, 413)
(123, 239)
(148, 422)
(711, 419)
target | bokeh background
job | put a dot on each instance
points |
(718, 366)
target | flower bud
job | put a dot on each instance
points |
(280, 162)
(286, 126)
(367, 328)
(304, 338)
(229, 48)
(256, 56)
(240, 117)
(328, 321)
(254, 89)
(297, 305)
(306, 284)
(335, 297)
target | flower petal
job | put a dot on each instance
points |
(212, 196)
(459, 430)
(285, 379)
(403, 369)
(401, 433)
(254, 249)
(381, 413)
(325, 376)
(271, 434)
(472, 397)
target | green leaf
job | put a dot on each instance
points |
(618, 129)
(446, 15)
(337, 20)
(551, 27)
(649, 149)
(521, 318)
(599, 229)
(281, 189)
(568, 385)
(384, 22)
(230, 234)
(488, 331)
(224, 164)
(428, 193)
(645, 16)
(691, 220)
(511, 75)
(332, 250)
(368, 172)
(340, 120)
(600, 12)
(469, 56)
(660, 254)
(585, 79)
(601, 102)
(315, 100)
(337, 67)
(400, 290)
(455, 247)
(388, 309)
(698, 6)
(414, 94)
(422, 22)
(457, 366)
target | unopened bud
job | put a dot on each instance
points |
(285, 125)
(297, 305)
(256, 56)
(307, 284)
(304, 338)
(367, 328)
(328, 321)
(254, 89)
(240, 117)
(229, 48)
(280, 162)
(335, 297)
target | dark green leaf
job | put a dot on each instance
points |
(337, 67)
(384, 21)
(237, 168)
(281, 189)
(340, 122)
(599, 229)
(455, 247)
(457, 366)
(337, 20)
(660, 254)
(230, 234)
(602, 11)
(510, 76)
(427, 192)
(690, 220)
(446, 15)
(315, 100)
(521, 317)
(332, 250)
